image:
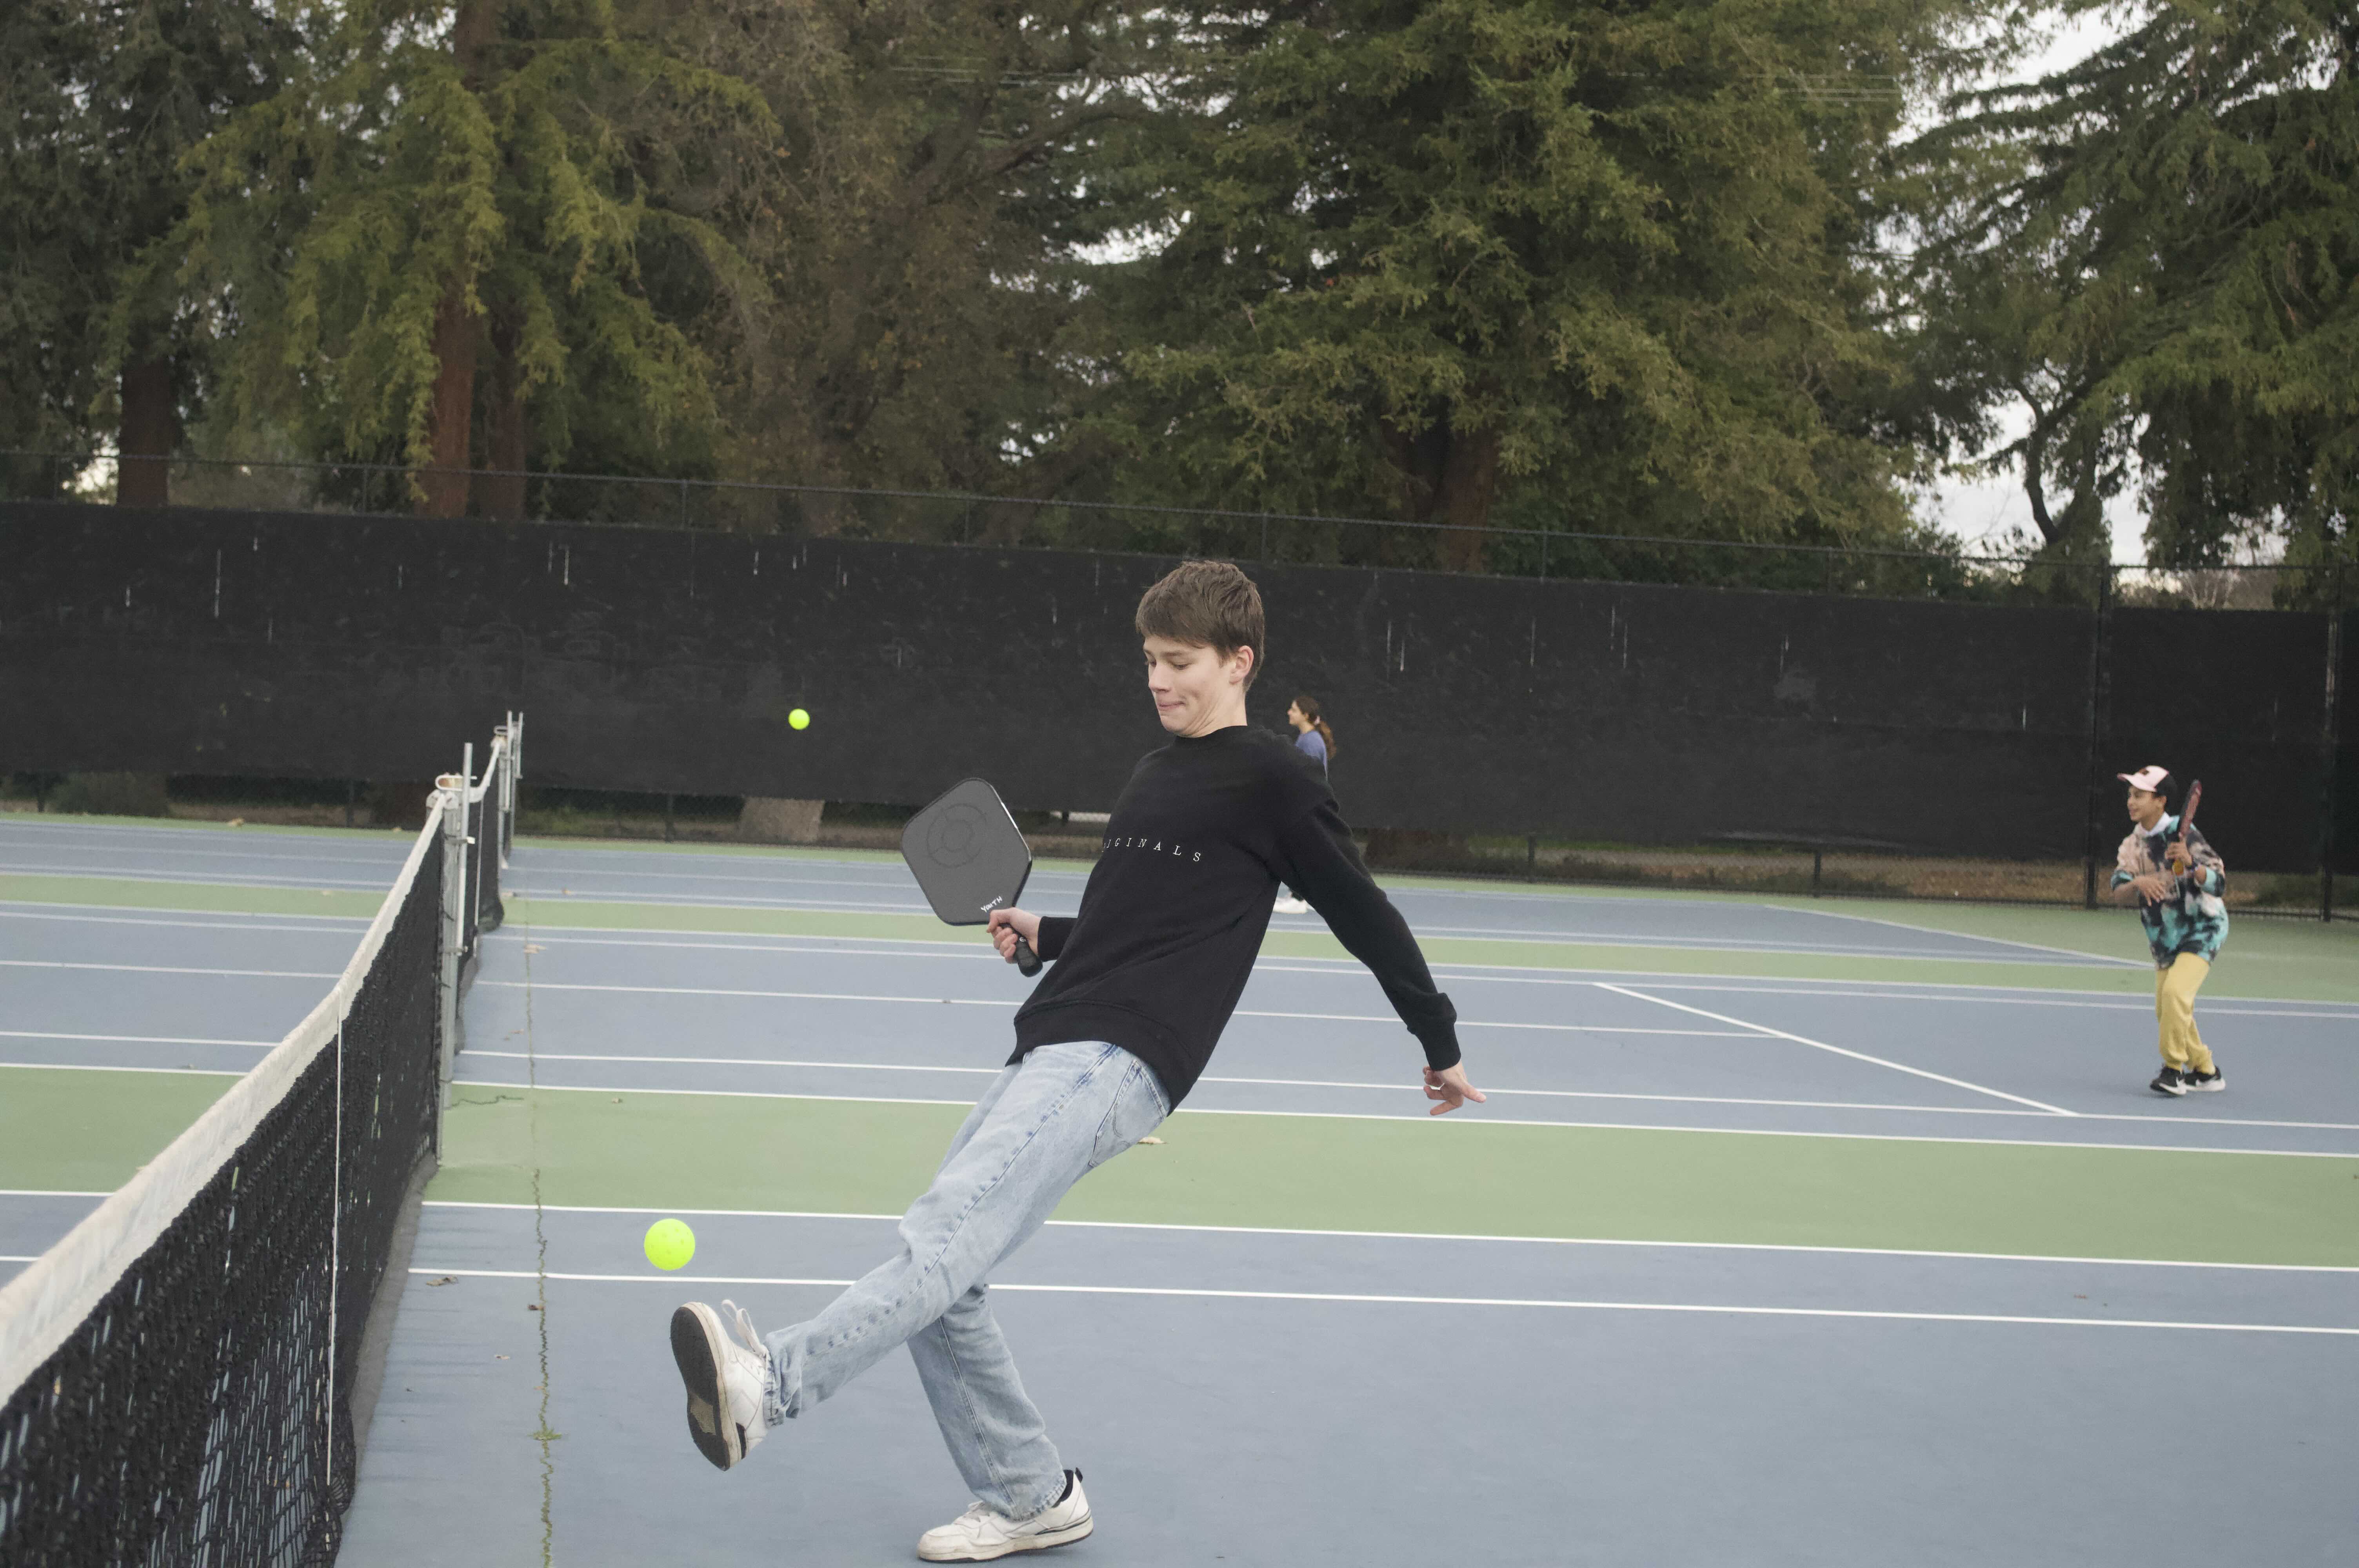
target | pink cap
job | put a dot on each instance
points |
(2149, 778)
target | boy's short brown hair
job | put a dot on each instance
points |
(1211, 604)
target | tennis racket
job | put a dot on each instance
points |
(970, 858)
(2187, 819)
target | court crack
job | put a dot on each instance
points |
(545, 1435)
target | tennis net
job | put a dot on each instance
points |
(181, 1369)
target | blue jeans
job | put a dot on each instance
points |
(1043, 1125)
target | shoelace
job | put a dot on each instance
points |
(746, 1333)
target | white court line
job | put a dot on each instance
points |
(1937, 931)
(1018, 1001)
(1427, 1119)
(1373, 1300)
(107, 1067)
(1497, 974)
(134, 1039)
(256, 853)
(1394, 1087)
(165, 969)
(191, 879)
(1838, 1050)
(1350, 1084)
(1759, 945)
(49, 1193)
(245, 922)
(779, 996)
(40, 909)
(1424, 1235)
(804, 906)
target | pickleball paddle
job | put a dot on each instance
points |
(970, 858)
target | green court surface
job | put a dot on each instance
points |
(593, 1149)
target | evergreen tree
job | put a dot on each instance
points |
(476, 237)
(107, 97)
(2156, 250)
(1601, 265)
(916, 226)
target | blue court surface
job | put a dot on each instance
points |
(1832, 1235)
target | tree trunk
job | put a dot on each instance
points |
(1449, 477)
(452, 419)
(1469, 483)
(500, 495)
(150, 428)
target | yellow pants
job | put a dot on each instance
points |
(2174, 1004)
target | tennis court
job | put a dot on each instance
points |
(1789, 1234)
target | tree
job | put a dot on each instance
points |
(916, 227)
(2156, 250)
(1603, 265)
(477, 237)
(108, 98)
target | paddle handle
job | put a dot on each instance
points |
(1027, 962)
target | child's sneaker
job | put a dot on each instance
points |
(2170, 1081)
(983, 1532)
(726, 1381)
(2205, 1082)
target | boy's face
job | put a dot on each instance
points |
(2146, 807)
(1196, 691)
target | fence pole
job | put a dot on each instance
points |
(2333, 733)
(2099, 634)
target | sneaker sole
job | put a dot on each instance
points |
(1042, 1542)
(696, 1347)
(2214, 1087)
(2174, 1090)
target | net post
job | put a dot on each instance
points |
(451, 799)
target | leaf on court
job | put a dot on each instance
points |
(237, 822)
(532, 947)
(532, 1306)
(1150, 1140)
(499, 1358)
(445, 1280)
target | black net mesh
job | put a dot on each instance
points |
(201, 1413)
(487, 826)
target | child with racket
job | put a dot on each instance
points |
(1140, 985)
(2175, 877)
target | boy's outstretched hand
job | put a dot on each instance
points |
(1007, 924)
(1449, 1086)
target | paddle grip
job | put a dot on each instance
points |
(1027, 962)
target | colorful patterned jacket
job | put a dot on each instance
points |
(2189, 918)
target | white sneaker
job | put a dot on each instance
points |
(983, 1532)
(1289, 906)
(726, 1381)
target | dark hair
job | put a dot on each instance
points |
(1310, 706)
(1211, 604)
(2167, 787)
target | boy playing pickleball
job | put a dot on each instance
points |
(2176, 878)
(1141, 983)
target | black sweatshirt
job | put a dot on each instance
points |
(1173, 916)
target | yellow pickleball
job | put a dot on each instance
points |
(670, 1244)
(800, 718)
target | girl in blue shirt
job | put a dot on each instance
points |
(1311, 736)
(1314, 739)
